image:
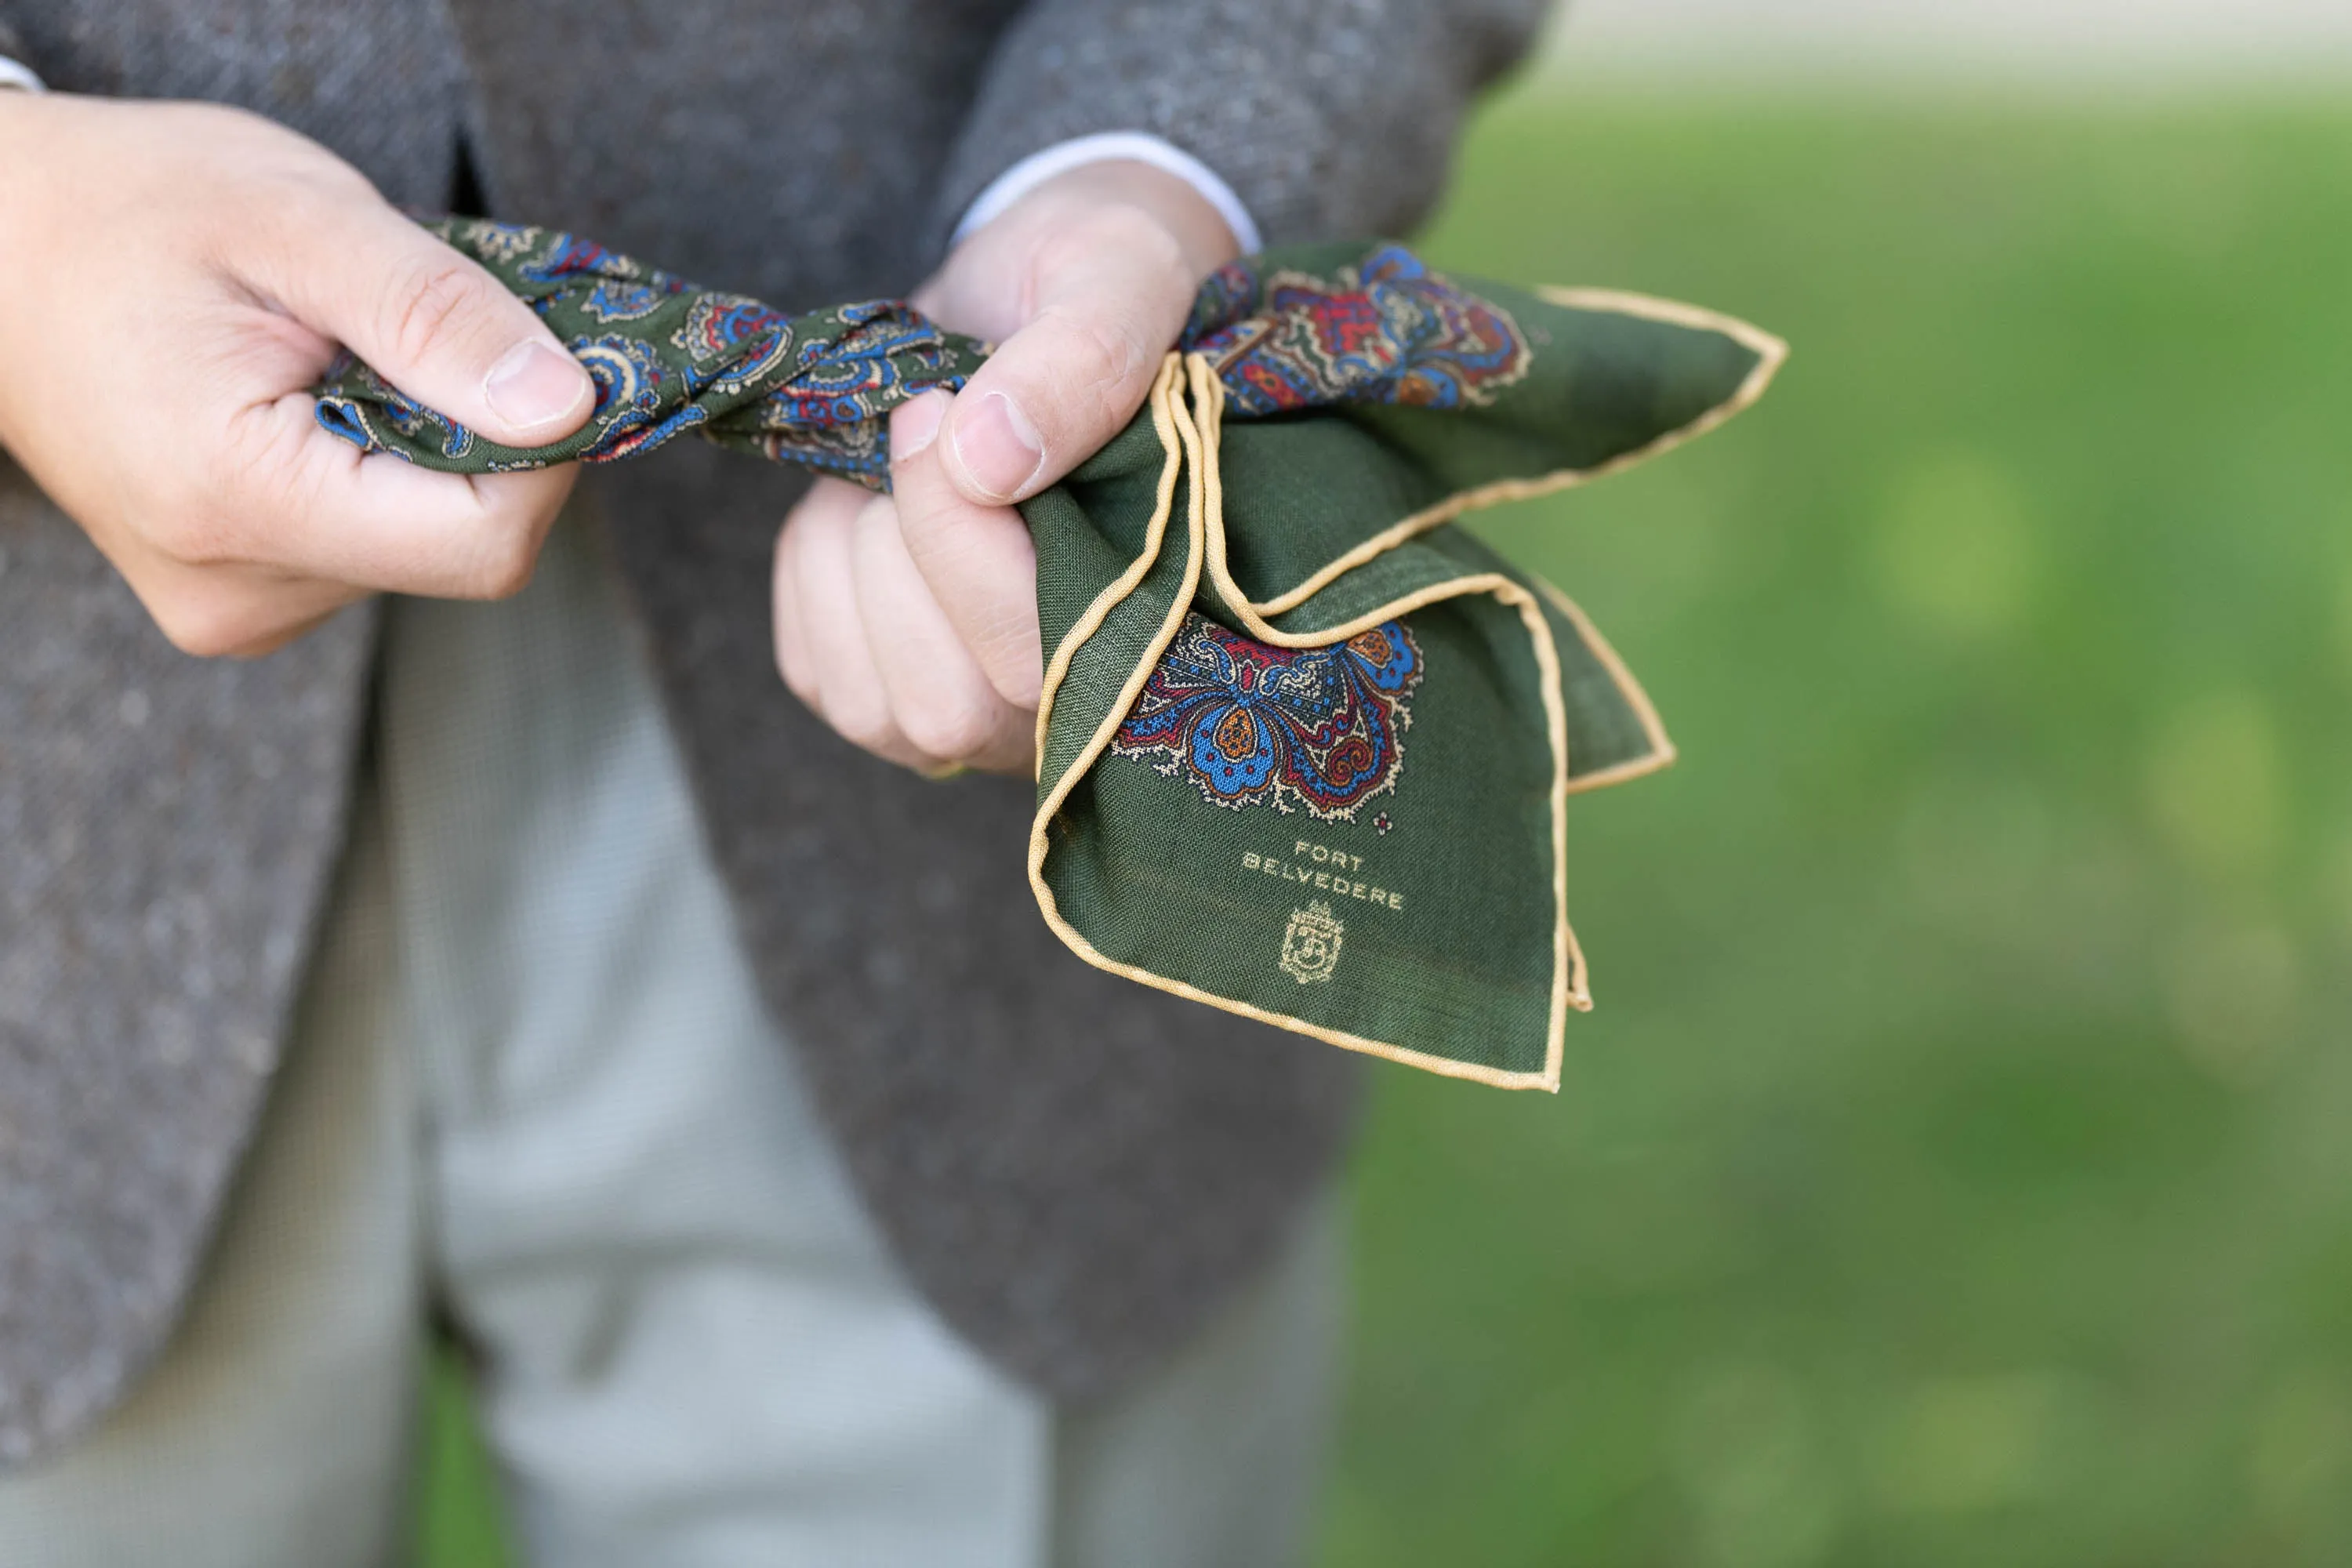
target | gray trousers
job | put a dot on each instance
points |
(530, 1084)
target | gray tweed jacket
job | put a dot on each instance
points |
(1073, 1169)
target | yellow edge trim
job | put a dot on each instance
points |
(1206, 536)
(1663, 753)
(1163, 390)
(1770, 352)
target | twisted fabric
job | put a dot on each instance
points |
(667, 358)
(1305, 747)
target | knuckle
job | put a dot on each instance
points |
(854, 706)
(509, 578)
(951, 727)
(796, 678)
(505, 567)
(210, 625)
(1100, 356)
(1175, 282)
(816, 520)
(862, 725)
(428, 303)
(506, 537)
(1118, 228)
(1006, 629)
(877, 525)
(1061, 248)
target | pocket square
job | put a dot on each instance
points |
(1305, 746)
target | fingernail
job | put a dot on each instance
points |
(915, 425)
(532, 385)
(997, 447)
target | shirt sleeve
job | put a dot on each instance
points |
(13, 71)
(1102, 146)
(1326, 118)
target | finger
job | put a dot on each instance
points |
(1110, 295)
(850, 695)
(297, 500)
(794, 657)
(978, 560)
(435, 323)
(941, 700)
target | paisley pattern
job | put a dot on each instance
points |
(1318, 728)
(553, 255)
(731, 341)
(874, 350)
(1387, 330)
(611, 301)
(815, 390)
(829, 413)
(361, 392)
(668, 357)
(1328, 341)
(633, 411)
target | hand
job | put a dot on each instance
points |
(908, 621)
(181, 274)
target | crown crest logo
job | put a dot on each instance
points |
(1311, 944)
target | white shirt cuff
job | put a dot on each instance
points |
(16, 75)
(1136, 146)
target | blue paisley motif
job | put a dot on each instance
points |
(830, 414)
(614, 300)
(1252, 724)
(347, 416)
(629, 380)
(732, 341)
(569, 255)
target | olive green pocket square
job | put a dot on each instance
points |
(1305, 746)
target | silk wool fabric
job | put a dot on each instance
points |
(1305, 747)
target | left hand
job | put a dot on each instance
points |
(908, 621)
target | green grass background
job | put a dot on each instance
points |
(1957, 1169)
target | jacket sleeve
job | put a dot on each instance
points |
(1328, 118)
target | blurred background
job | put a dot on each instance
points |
(1957, 1169)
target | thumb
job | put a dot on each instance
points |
(978, 560)
(433, 322)
(1071, 378)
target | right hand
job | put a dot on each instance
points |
(179, 275)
